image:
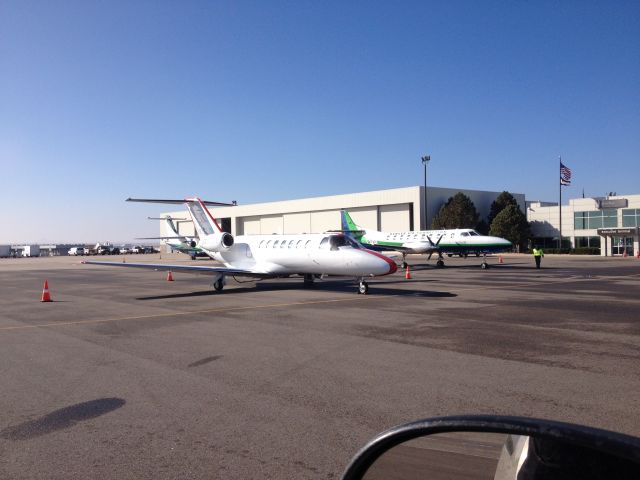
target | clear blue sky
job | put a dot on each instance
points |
(266, 100)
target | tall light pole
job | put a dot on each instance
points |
(425, 160)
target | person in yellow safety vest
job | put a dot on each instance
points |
(537, 255)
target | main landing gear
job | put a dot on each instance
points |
(363, 287)
(218, 283)
(308, 280)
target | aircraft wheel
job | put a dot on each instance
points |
(363, 288)
(484, 265)
(404, 265)
(440, 263)
(218, 285)
(449, 255)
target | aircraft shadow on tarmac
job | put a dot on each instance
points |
(375, 288)
(63, 418)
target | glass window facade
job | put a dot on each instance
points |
(607, 218)
(593, 242)
(631, 217)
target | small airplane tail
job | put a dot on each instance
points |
(211, 235)
(349, 226)
(171, 224)
(203, 221)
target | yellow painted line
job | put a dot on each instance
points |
(195, 312)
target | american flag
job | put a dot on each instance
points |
(565, 175)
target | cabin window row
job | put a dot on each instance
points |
(284, 243)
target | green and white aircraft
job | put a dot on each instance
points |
(458, 241)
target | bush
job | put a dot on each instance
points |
(586, 251)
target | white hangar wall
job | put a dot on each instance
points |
(397, 209)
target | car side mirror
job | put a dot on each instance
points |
(496, 448)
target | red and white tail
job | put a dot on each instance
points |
(203, 221)
(211, 236)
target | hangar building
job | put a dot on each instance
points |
(395, 209)
(609, 223)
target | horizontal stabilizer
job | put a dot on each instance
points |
(180, 202)
(162, 238)
(354, 232)
(177, 220)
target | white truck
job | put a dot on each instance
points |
(31, 251)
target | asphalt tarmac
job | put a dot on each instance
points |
(125, 375)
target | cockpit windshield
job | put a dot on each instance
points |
(474, 233)
(337, 241)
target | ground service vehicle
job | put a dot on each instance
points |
(496, 448)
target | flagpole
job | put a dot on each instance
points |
(560, 205)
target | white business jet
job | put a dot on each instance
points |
(272, 256)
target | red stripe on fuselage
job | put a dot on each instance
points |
(392, 265)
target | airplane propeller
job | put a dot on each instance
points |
(435, 245)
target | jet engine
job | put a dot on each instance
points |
(217, 241)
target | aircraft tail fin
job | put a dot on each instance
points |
(172, 226)
(203, 221)
(348, 225)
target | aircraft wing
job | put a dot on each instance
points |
(202, 270)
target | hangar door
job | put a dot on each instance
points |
(295, 223)
(249, 226)
(271, 224)
(325, 220)
(395, 218)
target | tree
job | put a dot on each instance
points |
(500, 203)
(458, 212)
(482, 228)
(511, 224)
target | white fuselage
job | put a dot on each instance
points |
(316, 254)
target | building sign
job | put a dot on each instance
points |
(615, 203)
(617, 231)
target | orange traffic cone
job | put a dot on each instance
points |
(407, 274)
(500, 259)
(169, 277)
(638, 254)
(46, 296)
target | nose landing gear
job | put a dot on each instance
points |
(363, 287)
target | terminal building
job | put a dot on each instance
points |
(609, 224)
(398, 209)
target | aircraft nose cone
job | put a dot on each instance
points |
(383, 265)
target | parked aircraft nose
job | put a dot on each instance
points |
(380, 264)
